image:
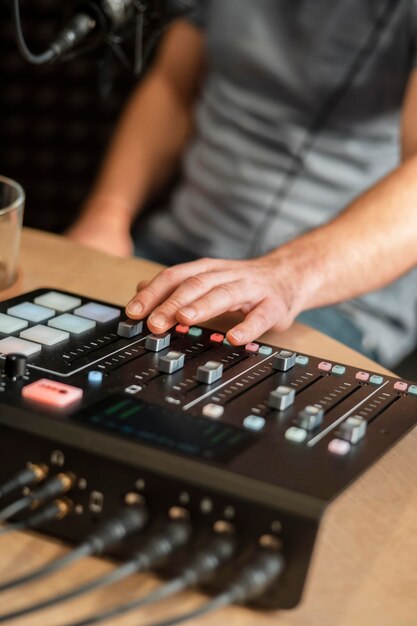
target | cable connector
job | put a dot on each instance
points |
(209, 559)
(117, 529)
(256, 577)
(56, 510)
(109, 534)
(32, 474)
(59, 485)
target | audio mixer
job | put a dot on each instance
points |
(257, 438)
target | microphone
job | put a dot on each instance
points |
(98, 17)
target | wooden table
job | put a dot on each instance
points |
(364, 571)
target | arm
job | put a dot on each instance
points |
(370, 244)
(148, 141)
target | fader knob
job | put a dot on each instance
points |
(15, 366)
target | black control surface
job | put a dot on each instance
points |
(256, 435)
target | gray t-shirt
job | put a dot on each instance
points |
(275, 70)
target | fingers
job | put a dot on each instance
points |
(164, 284)
(255, 324)
(224, 297)
(142, 284)
(195, 292)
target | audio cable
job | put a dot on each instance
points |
(201, 567)
(56, 510)
(54, 487)
(159, 546)
(32, 474)
(110, 533)
(252, 581)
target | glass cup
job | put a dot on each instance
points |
(12, 201)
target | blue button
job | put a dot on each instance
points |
(339, 370)
(195, 332)
(95, 377)
(265, 350)
(31, 312)
(376, 380)
(412, 390)
(254, 422)
(301, 359)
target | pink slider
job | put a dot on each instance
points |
(180, 328)
(217, 338)
(252, 347)
(50, 392)
(400, 386)
(324, 366)
(362, 376)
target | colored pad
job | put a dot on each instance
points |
(265, 350)
(95, 377)
(213, 410)
(295, 434)
(339, 447)
(252, 347)
(59, 301)
(400, 385)
(182, 329)
(301, 359)
(10, 324)
(72, 323)
(254, 422)
(338, 370)
(412, 390)
(31, 312)
(195, 332)
(376, 379)
(51, 392)
(12, 345)
(98, 312)
(217, 338)
(45, 335)
(324, 366)
(362, 376)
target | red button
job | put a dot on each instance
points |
(217, 338)
(180, 328)
(51, 392)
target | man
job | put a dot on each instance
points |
(298, 124)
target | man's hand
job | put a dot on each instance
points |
(192, 293)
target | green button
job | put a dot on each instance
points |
(265, 350)
(376, 380)
(195, 332)
(413, 390)
(301, 359)
(339, 370)
(226, 343)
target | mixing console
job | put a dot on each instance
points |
(256, 437)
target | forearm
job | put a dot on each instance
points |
(144, 151)
(372, 243)
(154, 127)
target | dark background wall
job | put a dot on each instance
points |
(54, 125)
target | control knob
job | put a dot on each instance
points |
(15, 366)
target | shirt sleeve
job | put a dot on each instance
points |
(198, 14)
(413, 30)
